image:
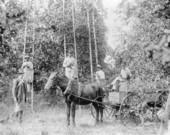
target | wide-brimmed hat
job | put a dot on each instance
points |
(99, 66)
(20, 71)
(26, 57)
(70, 52)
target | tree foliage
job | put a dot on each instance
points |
(143, 22)
(50, 23)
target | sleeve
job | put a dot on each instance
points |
(65, 63)
(121, 72)
(103, 75)
(167, 31)
(97, 75)
(129, 72)
(24, 65)
(13, 90)
(166, 50)
(30, 65)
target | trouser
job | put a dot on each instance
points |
(122, 95)
(29, 85)
(68, 87)
(102, 83)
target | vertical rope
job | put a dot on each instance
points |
(95, 42)
(64, 33)
(33, 51)
(75, 45)
(25, 38)
(74, 34)
(90, 46)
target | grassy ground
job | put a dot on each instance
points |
(52, 121)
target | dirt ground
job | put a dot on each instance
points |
(52, 121)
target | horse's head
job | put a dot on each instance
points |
(51, 82)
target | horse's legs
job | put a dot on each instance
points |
(68, 112)
(97, 113)
(19, 116)
(101, 113)
(73, 111)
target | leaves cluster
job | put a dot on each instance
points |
(144, 20)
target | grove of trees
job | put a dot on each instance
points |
(143, 23)
(138, 24)
(49, 21)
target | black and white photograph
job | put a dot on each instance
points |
(84, 67)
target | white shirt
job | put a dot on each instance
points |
(70, 66)
(100, 75)
(27, 66)
(69, 62)
(125, 72)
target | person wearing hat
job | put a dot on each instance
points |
(100, 75)
(71, 72)
(123, 81)
(27, 68)
(100, 79)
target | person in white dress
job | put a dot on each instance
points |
(123, 80)
(71, 72)
(100, 75)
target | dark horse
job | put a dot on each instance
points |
(85, 94)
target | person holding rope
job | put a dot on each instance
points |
(123, 80)
(71, 72)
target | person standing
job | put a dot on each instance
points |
(71, 72)
(100, 79)
(123, 80)
(124, 83)
(28, 71)
(100, 76)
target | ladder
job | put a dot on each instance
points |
(29, 38)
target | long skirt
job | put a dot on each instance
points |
(123, 89)
(122, 95)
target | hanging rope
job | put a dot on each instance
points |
(94, 33)
(74, 35)
(90, 46)
(25, 37)
(65, 49)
